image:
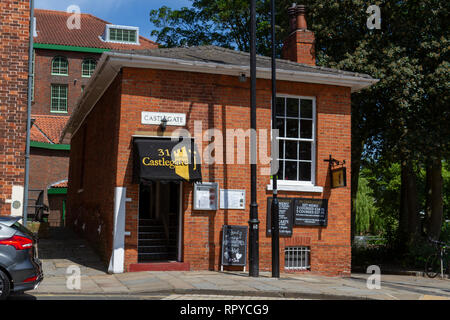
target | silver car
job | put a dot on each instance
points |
(20, 268)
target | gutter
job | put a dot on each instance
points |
(104, 76)
(29, 98)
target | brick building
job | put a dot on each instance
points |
(14, 45)
(64, 60)
(138, 207)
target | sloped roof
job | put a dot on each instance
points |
(228, 57)
(47, 128)
(60, 184)
(52, 28)
(203, 59)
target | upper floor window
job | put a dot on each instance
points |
(59, 98)
(88, 67)
(295, 118)
(121, 34)
(60, 66)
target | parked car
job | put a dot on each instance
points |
(20, 268)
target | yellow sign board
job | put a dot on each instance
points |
(339, 177)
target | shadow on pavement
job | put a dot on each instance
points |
(63, 248)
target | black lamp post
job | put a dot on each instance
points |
(253, 222)
(275, 226)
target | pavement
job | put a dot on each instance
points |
(64, 256)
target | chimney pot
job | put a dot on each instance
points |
(292, 12)
(299, 46)
(301, 20)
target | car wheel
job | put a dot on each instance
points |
(4, 286)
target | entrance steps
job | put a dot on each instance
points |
(154, 244)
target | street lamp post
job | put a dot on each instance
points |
(275, 226)
(253, 222)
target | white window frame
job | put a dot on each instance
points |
(106, 36)
(51, 98)
(86, 60)
(302, 186)
(60, 74)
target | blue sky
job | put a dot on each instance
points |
(121, 12)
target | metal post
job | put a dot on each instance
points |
(275, 205)
(253, 222)
(30, 88)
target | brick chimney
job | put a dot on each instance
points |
(299, 46)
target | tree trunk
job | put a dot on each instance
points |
(437, 209)
(428, 200)
(403, 212)
(357, 147)
(413, 205)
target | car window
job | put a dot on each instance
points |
(19, 227)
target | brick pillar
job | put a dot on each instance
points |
(300, 45)
(14, 37)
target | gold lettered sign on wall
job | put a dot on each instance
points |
(339, 177)
(162, 159)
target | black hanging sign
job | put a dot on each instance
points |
(164, 159)
(234, 245)
(310, 212)
(286, 206)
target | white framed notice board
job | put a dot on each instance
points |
(206, 196)
(232, 199)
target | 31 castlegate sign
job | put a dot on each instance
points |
(173, 119)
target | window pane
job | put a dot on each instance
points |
(291, 170)
(305, 151)
(59, 98)
(306, 108)
(280, 127)
(306, 129)
(292, 108)
(281, 148)
(280, 107)
(88, 67)
(60, 66)
(292, 128)
(291, 150)
(281, 170)
(305, 171)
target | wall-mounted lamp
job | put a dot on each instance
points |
(242, 77)
(163, 124)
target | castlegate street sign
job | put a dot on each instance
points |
(173, 119)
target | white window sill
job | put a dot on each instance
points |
(281, 186)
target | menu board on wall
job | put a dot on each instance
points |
(286, 206)
(310, 212)
(234, 245)
(232, 199)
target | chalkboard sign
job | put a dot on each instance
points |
(286, 206)
(310, 212)
(234, 245)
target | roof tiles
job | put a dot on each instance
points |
(52, 28)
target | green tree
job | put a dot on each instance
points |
(368, 220)
(403, 119)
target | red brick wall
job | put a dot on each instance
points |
(14, 35)
(44, 78)
(300, 47)
(47, 167)
(223, 102)
(90, 199)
